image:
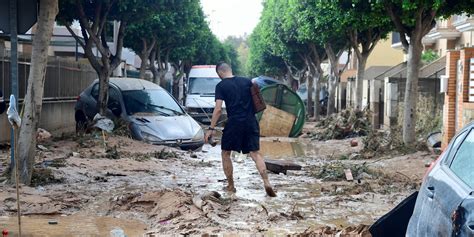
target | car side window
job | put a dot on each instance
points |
(95, 91)
(114, 95)
(455, 143)
(463, 162)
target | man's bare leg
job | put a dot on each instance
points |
(262, 169)
(228, 170)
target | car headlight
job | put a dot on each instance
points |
(150, 138)
(199, 135)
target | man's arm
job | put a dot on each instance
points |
(215, 117)
(217, 113)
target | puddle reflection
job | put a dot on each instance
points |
(74, 225)
(281, 150)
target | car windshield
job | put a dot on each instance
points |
(202, 85)
(151, 102)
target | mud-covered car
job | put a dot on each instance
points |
(263, 81)
(444, 205)
(152, 114)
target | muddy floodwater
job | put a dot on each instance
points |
(146, 190)
(74, 225)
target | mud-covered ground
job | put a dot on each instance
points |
(142, 188)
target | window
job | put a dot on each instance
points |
(463, 163)
(95, 91)
(114, 96)
(203, 86)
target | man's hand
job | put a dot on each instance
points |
(209, 133)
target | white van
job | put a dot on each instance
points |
(200, 92)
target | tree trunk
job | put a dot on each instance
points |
(317, 90)
(145, 55)
(332, 93)
(162, 79)
(411, 91)
(143, 64)
(104, 76)
(153, 68)
(34, 96)
(361, 63)
(164, 67)
(310, 100)
(176, 79)
(333, 78)
(291, 82)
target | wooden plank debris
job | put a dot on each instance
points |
(281, 166)
(349, 176)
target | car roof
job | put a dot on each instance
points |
(133, 84)
(259, 78)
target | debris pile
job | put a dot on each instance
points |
(44, 176)
(353, 231)
(384, 142)
(336, 171)
(346, 124)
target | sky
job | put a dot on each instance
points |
(232, 17)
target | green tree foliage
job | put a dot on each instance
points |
(240, 48)
(93, 16)
(364, 24)
(261, 60)
(413, 20)
(429, 56)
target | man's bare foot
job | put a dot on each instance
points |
(270, 191)
(230, 189)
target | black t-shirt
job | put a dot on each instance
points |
(235, 92)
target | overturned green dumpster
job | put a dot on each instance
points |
(285, 113)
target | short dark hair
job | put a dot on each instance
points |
(223, 66)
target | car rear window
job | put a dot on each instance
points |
(463, 163)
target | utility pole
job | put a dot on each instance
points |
(13, 66)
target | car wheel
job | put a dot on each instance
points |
(81, 123)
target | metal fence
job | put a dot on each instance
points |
(65, 78)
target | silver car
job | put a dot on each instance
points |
(152, 114)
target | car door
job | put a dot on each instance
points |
(462, 166)
(91, 102)
(466, 220)
(439, 196)
(114, 101)
(451, 184)
(114, 104)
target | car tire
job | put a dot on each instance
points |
(81, 123)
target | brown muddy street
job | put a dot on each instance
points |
(134, 186)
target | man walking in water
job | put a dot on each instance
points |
(241, 132)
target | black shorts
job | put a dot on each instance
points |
(241, 136)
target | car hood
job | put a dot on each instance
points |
(168, 127)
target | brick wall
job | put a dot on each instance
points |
(454, 120)
(450, 98)
(465, 57)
